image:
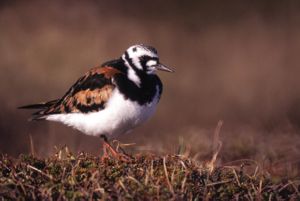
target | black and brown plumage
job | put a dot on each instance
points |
(89, 94)
(110, 99)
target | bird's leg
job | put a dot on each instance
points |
(105, 155)
(106, 147)
(113, 152)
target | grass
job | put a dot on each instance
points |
(143, 176)
(66, 176)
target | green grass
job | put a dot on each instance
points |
(144, 177)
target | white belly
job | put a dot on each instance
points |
(119, 116)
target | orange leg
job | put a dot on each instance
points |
(105, 154)
(108, 151)
(113, 152)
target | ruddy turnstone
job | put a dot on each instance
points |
(110, 99)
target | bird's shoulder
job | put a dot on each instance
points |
(89, 93)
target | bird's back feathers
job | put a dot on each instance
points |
(88, 94)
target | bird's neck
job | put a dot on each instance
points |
(135, 84)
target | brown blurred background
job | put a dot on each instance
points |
(235, 60)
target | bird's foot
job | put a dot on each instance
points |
(110, 152)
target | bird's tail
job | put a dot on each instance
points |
(41, 107)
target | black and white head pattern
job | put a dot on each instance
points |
(140, 58)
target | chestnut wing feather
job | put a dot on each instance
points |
(89, 94)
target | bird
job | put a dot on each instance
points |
(111, 99)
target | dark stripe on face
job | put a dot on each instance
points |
(129, 61)
(144, 59)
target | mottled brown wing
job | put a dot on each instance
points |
(89, 94)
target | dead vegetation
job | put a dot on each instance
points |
(65, 176)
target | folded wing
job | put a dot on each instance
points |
(89, 94)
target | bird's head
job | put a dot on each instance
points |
(144, 58)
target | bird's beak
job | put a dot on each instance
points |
(163, 68)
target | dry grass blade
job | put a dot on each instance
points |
(217, 145)
(295, 188)
(39, 171)
(236, 177)
(120, 145)
(167, 176)
(120, 182)
(183, 184)
(31, 145)
(286, 185)
(135, 180)
(219, 182)
(146, 177)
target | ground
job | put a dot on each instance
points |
(67, 176)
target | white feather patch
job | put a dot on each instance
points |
(131, 74)
(133, 77)
(140, 51)
(119, 116)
